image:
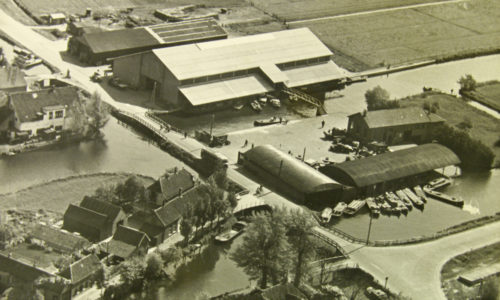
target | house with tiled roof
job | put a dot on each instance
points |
(28, 279)
(394, 126)
(44, 111)
(127, 242)
(149, 223)
(170, 185)
(57, 239)
(83, 273)
(93, 219)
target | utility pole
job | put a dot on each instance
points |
(304, 154)
(212, 125)
(369, 230)
(385, 285)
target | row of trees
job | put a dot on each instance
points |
(275, 245)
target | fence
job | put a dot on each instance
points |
(330, 242)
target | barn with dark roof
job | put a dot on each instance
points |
(391, 170)
(95, 48)
(394, 126)
(289, 175)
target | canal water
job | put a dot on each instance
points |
(126, 151)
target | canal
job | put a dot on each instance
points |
(126, 151)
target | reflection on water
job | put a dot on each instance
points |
(121, 151)
(211, 273)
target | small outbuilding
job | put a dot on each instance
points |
(57, 18)
(377, 174)
(394, 126)
(290, 176)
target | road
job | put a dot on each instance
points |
(375, 11)
(415, 270)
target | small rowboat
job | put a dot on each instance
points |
(339, 209)
(235, 230)
(275, 103)
(256, 106)
(271, 121)
(326, 215)
(443, 197)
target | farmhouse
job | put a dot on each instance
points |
(96, 48)
(83, 273)
(205, 76)
(44, 111)
(290, 175)
(93, 219)
(391, 170)
(394, 126)
(127, 242)
(170, 185)
(12, 80)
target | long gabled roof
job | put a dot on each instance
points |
(293, 172)
(82, 269)
(28, 105)
(110, 210)
(20, 270)
(64, 240)
(392, 165)
(173, 210)
(241, 53)
(398, 117)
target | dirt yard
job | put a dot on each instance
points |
(463, 263)
(456, 110)
(410, 35)
(57, 195)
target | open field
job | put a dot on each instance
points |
(455, 110)
(57, 195)
(292, 10)
(487, 94)
(398, 37)
(37, 7)
(463, 263)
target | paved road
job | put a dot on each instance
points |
(415, 270)
(376, 11)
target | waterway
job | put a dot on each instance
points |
(126, 151)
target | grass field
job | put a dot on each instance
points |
(38, 7)
(485, 127)
(57, 195)
(292, 10)
(411, 35)
(488, 94)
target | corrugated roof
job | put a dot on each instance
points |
(393, 165)
(293, 171)
(11, 77)
(226, 89)
(26, 105)
(242, 53)
(152, 36)
(110, 210)
(311, 74)
(399, 116)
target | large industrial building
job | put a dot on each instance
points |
(97, 47)
(209, 75)
(392, 170)
(290, 176)
(394, 126)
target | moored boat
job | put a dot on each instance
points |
(354, 207)
(439, 183)
(403, 197)
(339, 209)
(417, 202)
(238, 106)
(386, 208)
(228, 235)
(443, 197)
(391, 198)
(326, 215)
(419, 192)
(275, 102)
(263, 100)
(270, 121)
(373, 206)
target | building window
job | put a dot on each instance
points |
(58, 128)
(59, 114)
(51, 115)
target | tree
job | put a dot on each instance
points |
(378, 98)
(132, 273)
(106, 193)
(186, 227)
(299, 228)
(233, 201)
(489, 290)
(154, 265)
(467, 83)
(98, 116)
(131, 190)
(264, 250)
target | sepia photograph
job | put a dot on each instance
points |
(249, 149)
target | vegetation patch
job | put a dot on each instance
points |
(486, 93)
(455, 111)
